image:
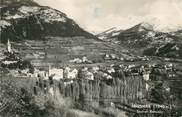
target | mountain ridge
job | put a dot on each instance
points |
(153, 43)
(21, 20)
(143, 39)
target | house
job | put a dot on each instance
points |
(146, 76)
(131, 66)
(107, 57)
(70, 73)
(42, 74)
(86, 74)
(89, 75)
(56, 74)
(168, 67)
(110, 57)
(122, 59)
(107, 76)
(111, 70)
(9, 62)
(95, 69)
(51, 91)
(76, 60)
(147, 87)
(84, 59)
(113, 56)
(68, 83)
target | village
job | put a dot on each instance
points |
(112, 58)
(134, 82)
(24, 69)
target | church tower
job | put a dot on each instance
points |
(9, 46)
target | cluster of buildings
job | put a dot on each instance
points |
(126, 58)
(64, 73)
(111, 57)
(89, 73)
(105, 73)
(84, 59)
(11, 60)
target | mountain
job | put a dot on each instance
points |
(140, 36)
(170, 50)
(178, 33)
(46, 36)
(143, 39)
(109, 34)
(25, 19)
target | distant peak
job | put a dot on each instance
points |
(160, 25)
(146, 25)
(157, 26)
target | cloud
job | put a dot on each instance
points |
(99, 15)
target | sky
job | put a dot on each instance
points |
(99, 15)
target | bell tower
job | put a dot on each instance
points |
(9, 46)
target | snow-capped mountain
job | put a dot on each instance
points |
(47, 36)
(144, 38)
(163, 25)
(25, 19)
(141, 35)
(109, 35)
